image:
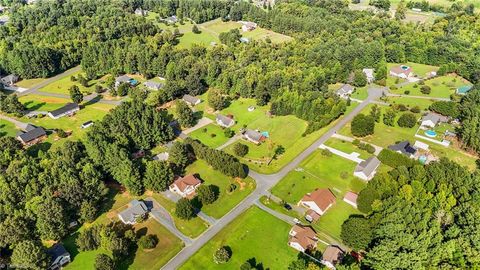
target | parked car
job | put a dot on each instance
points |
(287, 206)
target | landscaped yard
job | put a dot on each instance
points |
(211, 135)
(346, 147)
(7, 128)
(253, 235)
(411, 102)
(226, 201)
(360, 93)
(442, 86)
(319, 171)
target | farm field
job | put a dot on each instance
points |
(254, 234)
(226, 200)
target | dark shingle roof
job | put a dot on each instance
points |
(67, 108)
(32, 134)
(404, 147)
(56, 251)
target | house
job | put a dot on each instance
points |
(31, 135)
(191, 100)
(135, 210)
(254, 136)
(141, 12)
(9, 80)
(366, 169)
(152, 85)
(369, 73)
(171, 20)
(185, 186)
(69, 109)
(302, 238)
(432, 119)
(401, 71)
(248, 26)
(331, 256)
(244, 40)
(319, 202)
(59, 256)
(463, 90)
(225, 121)
(351, 198)
(345, 91)
(404, 148)
(125, 79)
(161, 157)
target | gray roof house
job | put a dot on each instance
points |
(253, 136)
(345, 90)
(161, 157)
(9, 80)
(135, 209)
(366, 169)
(403, 148)
(152, 85)
(224, 121)
(141, 12)
(31, 135)
(191, 100)
(432, 119)
(59, 256)
(68, 109)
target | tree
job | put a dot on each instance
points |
(356, 232)
(82, 80)
(425, 89)
(366, 198)
(52, 219)
(158, 176)
(400, 12)
(30, 254)
(185, 115)
(362, 125)
(407, 120)
(14, 229)
(389, 117)
(216, 100)
(179, 155)
(376, 113)
(229, 133)
(89, 239)
(104, 262)
(380, 4)
(184, 209)
(122, 89)
(195, 29)
(75, 94)
(88, 211)
(148, 241)
(359, 80)
(221, 255)
(447, 108)
(240, 149)
(207, 194)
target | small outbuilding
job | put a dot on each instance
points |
(351, 198)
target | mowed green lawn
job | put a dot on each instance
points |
(226, 201)
(420, 70)
(7, 128)
(441, 87)
(29, 82)
(411, 102)
(211, 135)
(319, 171)
(254, 234)
(63, 85)
(346, 147)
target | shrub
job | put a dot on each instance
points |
(407, 120)
(394, 159)
(407, 92)
(425, 89)
(367, 147)
(240, 149)
(148, 241)
(104, 262)
(184, 209)
(61, 133)
(401, 107)
(362, 125)
(415, 86)
(356, 142)
(98, 89)
(228, 133)
(222, 255)
(326, 153)
(421, 82)
(213, 135)
(415, 109)
(393, 87)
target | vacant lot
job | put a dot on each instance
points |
(411, 102)
(226, 199)
(253, 235)
(29, 82)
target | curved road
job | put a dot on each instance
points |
(264, 183)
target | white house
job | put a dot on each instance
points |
(432, 119)
(401, 71)
(224, 121)
(253, 136)
(345, 91)
(369, 73)
(367, 169)
(153, 85)
(69, 109)
(319, 201)
(302, 238)
(185, 186)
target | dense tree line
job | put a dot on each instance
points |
(470, 117)
(418, 217)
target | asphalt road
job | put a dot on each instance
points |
(264, 183)
(50, 80)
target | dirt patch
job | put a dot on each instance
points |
(241, 183)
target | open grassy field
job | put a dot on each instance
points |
(445, 3)
(92, 112)
(316, 172)
(411, 102)
(347, 147)
(442, 86)
(253, 235)
(62, 85)
(167, 247)
(420, 70)
(7, 128)
(226, 201)
(29, 82)
(211, 135)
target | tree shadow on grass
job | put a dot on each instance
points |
(92, 101)
(36, 106)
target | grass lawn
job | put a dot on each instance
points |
(319, 171)
(441, 87)
(62, 85)
(254, 234)
(205, 135)
(7, 128)
(29, 82)
(347, 147)
(263, 34)
(226, 201)
(360, 93)
(42, 103)
(445, 3)
(411, 102)
(331, 222)
(420, 70)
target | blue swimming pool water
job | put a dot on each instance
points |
(404, 67)
(431, 133)
(422, 159)
(265, 134)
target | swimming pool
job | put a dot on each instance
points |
(404, 67)
(431, 133)
(422, 159)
